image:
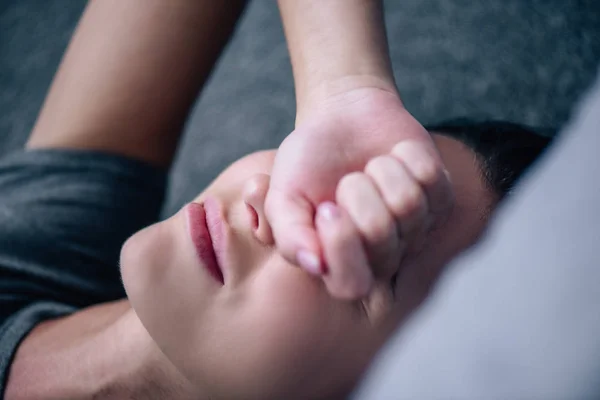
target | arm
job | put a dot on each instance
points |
(125, 86)
(336, 46)
(131, 73)
(102, 352)
(348, 112)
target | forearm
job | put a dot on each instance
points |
(102, 352)
(131, 73)
(335, 46)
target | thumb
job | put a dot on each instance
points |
(292, 221)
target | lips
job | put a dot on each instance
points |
(203, 221)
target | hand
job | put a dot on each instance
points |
(333, 140)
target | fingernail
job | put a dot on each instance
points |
(328, 211)
(309, 261)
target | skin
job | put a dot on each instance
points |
(132, 71)
(128, 79)
(349, 111)
(273, 331)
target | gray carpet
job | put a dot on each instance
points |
(524, 61)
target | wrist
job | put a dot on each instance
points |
(329, 96)
(336, 46)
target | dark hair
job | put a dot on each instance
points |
(505, 150)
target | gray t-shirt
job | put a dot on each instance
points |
(64, 215)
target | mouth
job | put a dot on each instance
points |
(205, 228)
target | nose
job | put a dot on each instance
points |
(255, 192)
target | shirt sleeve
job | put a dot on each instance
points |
(64, 215)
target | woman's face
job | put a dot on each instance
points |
(270, 330)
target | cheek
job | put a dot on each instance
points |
(292, 319)
(288, 334)
(301, 334)
(293, 307)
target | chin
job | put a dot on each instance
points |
(132, 255)
(142, 262)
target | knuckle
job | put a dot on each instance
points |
(376, 165)
(428, 171)
(348, 183)
(399, 148)
(377, 229)
(408, 201)
(423, 164)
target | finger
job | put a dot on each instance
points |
(425, 165)
(358, 196)
(402, 195)
(292, 222)
(348, 273)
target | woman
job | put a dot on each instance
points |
(94, 173)
(256, 329)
